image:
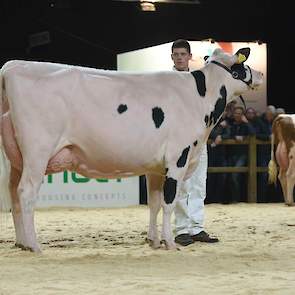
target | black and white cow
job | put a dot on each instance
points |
(112, 124)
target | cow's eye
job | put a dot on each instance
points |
(235, 75)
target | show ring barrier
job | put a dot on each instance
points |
(251, 169)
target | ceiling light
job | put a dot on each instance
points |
(147, 6)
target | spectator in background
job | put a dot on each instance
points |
(217, 158)
(237, 154)
(256, 124)
(267, 118)
(280, 111)
(261, 132)
(229, 111)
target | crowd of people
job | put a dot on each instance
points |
(238, 123)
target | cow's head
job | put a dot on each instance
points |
(234, 64)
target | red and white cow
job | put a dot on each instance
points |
(112, 124)
(283, 138)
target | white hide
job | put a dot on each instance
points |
(55, 106)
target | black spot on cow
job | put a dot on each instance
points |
(206, 119)
(182, 159)
(196, 142)
(122, 108)
(218, 108)
(200, 81)
(219, 105)
(209, 119)
(166, 170)
(158, 116)
(170, 186)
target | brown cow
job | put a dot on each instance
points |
(283, 137)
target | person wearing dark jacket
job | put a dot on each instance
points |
(263, 132)
(217, 158)
(238, 153)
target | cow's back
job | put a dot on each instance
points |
(283, 129)
(124, 118)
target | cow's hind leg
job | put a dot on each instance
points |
(15, 176)
(155, 189)
(27, 190)
(289, 200)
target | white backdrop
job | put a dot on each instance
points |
(157, 58)
(69, 189)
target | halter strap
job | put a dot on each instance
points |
(235, 76)
(233, 73)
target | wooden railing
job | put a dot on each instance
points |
(251, 169)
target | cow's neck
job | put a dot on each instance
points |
(221, 88)
(217, 77)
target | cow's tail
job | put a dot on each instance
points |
(272, 165)
(5, 200)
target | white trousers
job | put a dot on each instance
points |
(189, 209)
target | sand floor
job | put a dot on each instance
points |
(103, 251)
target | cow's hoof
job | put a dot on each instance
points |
(35, 249)
(18, 245)
(169, 245)
(154, 244)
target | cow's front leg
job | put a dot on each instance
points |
(167, 236)
(171, 189)
(176, 164)
(155, 188)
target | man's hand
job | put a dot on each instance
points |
(218, 139)
(244, 119)
(239, 138)
(223, 124)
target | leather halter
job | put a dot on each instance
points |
(235, 75)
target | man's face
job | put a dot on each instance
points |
(181, 57)
(238, 114)
(269, 115)
(250, 114)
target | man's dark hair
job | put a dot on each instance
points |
(181, 43)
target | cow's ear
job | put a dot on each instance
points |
(206, 57)
(243, 54)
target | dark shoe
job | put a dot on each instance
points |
(204, 237)
(184, 240)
